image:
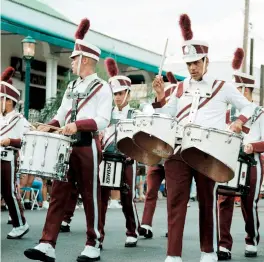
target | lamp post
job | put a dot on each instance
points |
(28, 47)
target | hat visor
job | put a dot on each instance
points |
(193, 58)
(119, 89)
(245, 85)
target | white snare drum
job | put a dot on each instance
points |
(126, 145)
(45, 154)
(210, 151)
(112, 170)
(155, 133)
(239, 185)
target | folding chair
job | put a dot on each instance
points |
(33, 194)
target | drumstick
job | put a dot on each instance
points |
(163, 58)
(46, 125)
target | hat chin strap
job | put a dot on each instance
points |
(204, 64)
(79, 65)
(124, 98)
(243, 89)
(4, 106)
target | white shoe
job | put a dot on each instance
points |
(131, 242)
(173, 259)
(18, 232)
(45, 204)
(188, 205)
(209, 257)
(251, 251)
(76, 207)
(42, 252)
(90, 252)
(114, 204)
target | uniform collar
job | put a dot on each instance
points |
(9, 115)
(126, 108)
(88, 78)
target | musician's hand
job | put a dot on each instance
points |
(236, 126)
(158, 86)
(5, 142)
(43, 128)
(69, 129)
(248, 149)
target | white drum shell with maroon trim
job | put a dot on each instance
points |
(9, 91)
(126, 145)
(45, 154)
(155, 133)
(210, 151)
(194, 50)
(81, 47)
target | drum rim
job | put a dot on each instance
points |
(214, 130)
(46, 134)
(156, 115)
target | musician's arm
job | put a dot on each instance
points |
(21, 128)
(169, 108)
(234, 97)
(258, 147)
(103, 112)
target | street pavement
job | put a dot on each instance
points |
(70, 245)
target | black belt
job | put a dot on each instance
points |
(83, 139)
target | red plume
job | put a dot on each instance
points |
(7, 74)
(185, 24)
(238, 58)
(82, 29)
(171, 78)
(111, 67)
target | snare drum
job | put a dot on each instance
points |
(239, 185)
(126, 145)
(112, 170)
(45, 154)
(155, 133)
(210, 151)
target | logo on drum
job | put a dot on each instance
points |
(196, 140)
(108, 172)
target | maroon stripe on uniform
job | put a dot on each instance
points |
(208, 99)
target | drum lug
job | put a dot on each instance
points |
(208, 133)
(228, 141)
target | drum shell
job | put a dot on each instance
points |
(155, 133)
(126, 145)
(45, 154)
(210, 151)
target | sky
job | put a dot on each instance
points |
(148, 23)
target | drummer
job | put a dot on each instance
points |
(13, 126)
(121, 86)
(82, 117)
(209, 110)
(155, 176)
(249, 203)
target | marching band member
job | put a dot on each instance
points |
(121, 89)
(249, 203)
(13, 126)
(155, 176)
(85, 109)
(208, 109)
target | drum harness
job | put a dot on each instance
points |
(76, 97)
(196, 96)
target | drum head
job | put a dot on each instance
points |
(152, 144)
(130, 149)
(207, 165)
